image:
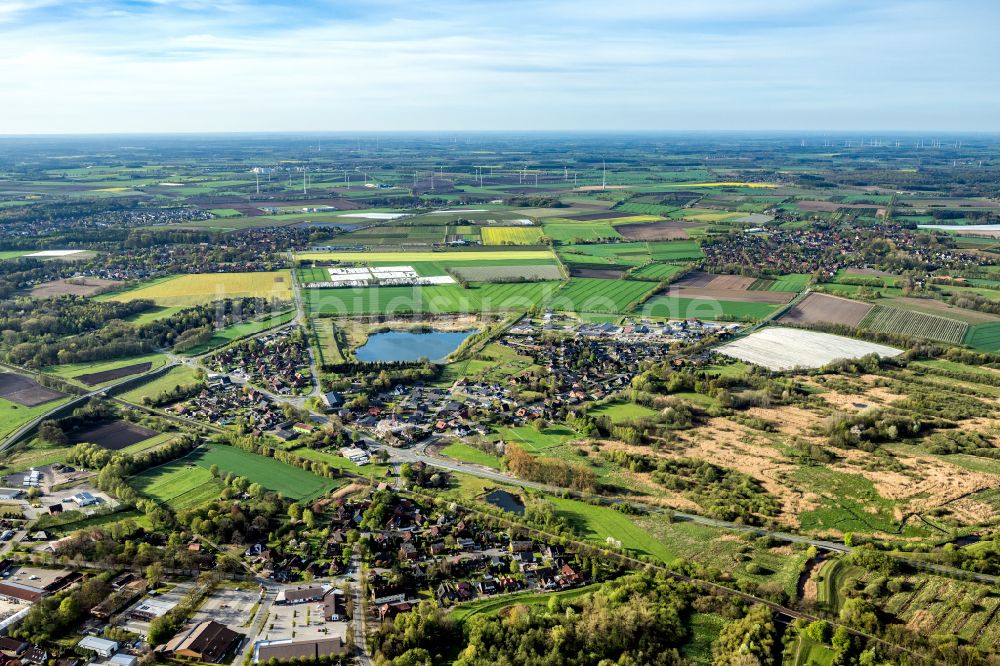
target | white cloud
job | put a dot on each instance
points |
(713, 64)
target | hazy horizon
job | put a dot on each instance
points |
(250, 66)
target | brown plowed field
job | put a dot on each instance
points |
(72, 286)
(95, 378)
(113, 436)
(652, 231)
(776, 297)
(25, 390)
(825, 309)
(585, 271)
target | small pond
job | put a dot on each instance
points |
(410, 346)
(506, 501)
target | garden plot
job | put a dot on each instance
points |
(787, 348)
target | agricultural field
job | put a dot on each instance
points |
(778, 348)
(326, 341)
(508, 272)
(181, 484)
(705, 309)
(826, 309)
(187, 482)
(597, 295)
(187, 290)
(511, 235)
(983, 337)
(181, 375)
(96, 373)
(884, 319)
(571, 232)
(794, 282)
(655, 272)
(25, 391)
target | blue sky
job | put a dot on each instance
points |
(246, 65)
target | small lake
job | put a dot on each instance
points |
(410, 346)
(506, 501)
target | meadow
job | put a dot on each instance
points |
(187, 482)
(197, 289)
(983, 337)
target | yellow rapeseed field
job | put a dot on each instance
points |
(510, 235)
(199, 288)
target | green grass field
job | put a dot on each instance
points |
(567, 231)
(180, 375)
(535, 441)
(292, 482)
(13, 415)
(705, 309)
(187, 482)
(71, 370)
(598, 523)
(494, 605)
(622, 411)
(655, 272)
(600, 295)
(180, 483)
(983, 337)
(479, 297)
(470, 454)
(239, 331)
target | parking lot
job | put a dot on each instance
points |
(309, 624)
(230, 606)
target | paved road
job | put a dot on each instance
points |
(361, 645)
(302, 319)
